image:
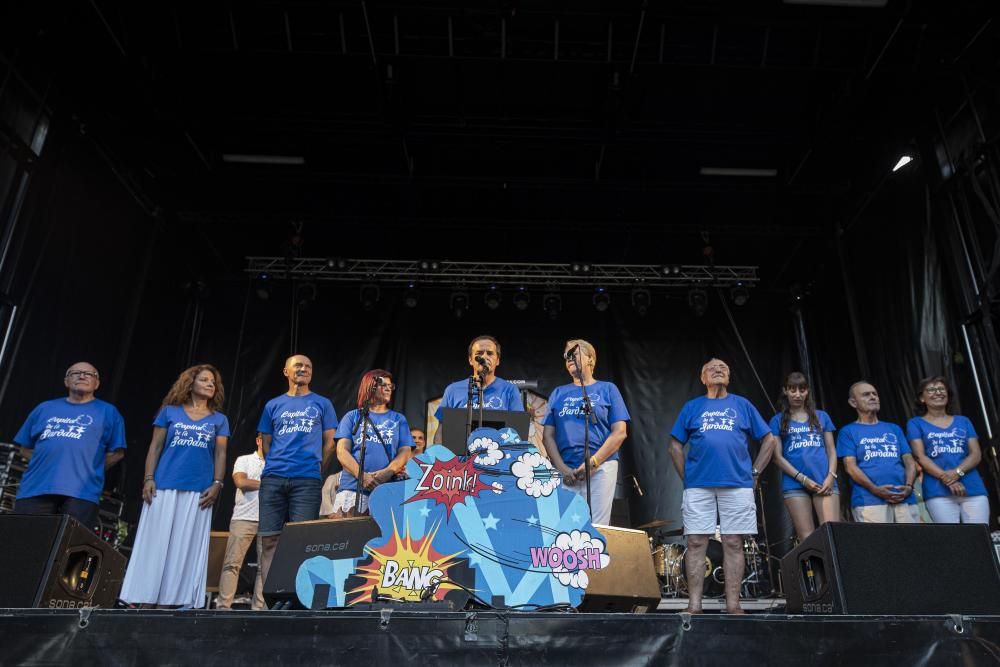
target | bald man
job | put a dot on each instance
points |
(297, 431)
(69, 443)
(718, 478)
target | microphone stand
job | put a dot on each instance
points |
(363, 423)
(468, 409)
(587, 411)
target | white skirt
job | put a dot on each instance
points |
(169, 562)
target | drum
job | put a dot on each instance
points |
(668, 559)
(714, 579)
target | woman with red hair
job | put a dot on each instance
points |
(385, 436)
(185, 467)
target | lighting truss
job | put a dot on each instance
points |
(442, 273)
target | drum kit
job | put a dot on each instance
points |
(669, 562)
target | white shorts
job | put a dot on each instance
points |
(732, 510)
(345, 500)
(959, 509)
(886, 513)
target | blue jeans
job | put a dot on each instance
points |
(83, 511)
(287, 499)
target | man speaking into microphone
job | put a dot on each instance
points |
(498, 394)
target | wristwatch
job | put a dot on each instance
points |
(960, 472)
(756, 473)
(219, 482)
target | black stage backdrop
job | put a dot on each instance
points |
(87, 291)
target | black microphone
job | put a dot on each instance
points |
(480, 360)
(571, 352)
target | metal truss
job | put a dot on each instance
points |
(445, 273)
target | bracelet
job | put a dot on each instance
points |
(798, 474)
(219, 482)
(834, 475)
(593, 462)
(148, 478)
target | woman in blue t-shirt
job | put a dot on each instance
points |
(947, 448)
(184, 471)
(808, 457)
(565, 424)
(386, 439)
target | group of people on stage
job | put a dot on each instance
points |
(72, 441)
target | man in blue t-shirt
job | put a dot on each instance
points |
(877, 457)
(718, 478)
(297, 438)
(498, 394)
(69, 442)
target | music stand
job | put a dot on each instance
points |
(453, 426)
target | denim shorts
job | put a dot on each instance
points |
(287, 499)
(802, 493)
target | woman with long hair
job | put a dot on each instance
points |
(807, 457)
(607, 427)
(185, 466)
(947, 448)
(385, 436)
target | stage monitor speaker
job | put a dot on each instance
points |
(302, 540)
(629, 583)
(871, 568)
(54, 561)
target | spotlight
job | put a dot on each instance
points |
(521, 298)
(459, 303)
(580, 267)
(429, 265)
(601, 299)
(698, 300)
(740, 295)
(641, 300)
(338, 263)
(411, 295)
(902, 162)
(552, 304)
(305, 294)
(492, 297)
(263, 287)
(369, 296)
(796, 295)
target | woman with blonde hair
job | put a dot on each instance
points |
(185, 466)
(606, 429)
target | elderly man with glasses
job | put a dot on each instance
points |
(69, 443)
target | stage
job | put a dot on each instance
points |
(128, 637)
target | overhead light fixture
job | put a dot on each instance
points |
(580, 268)
(902, 162)
(641, 300)
(740, 295)
(698, 300)
(263, 286)
(602, 300)
(428, 265)
(492, 297)
(240, 158)
(552, 304)
(458, 302)
(521, 298)
(670, 270)
(338, 263)
(738, 171)
(369, 295)
(411, 295)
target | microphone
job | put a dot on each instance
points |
(481, 360)
(571, 352)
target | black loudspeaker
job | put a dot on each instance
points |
(873, 568)
(54, 561)
(629, 583)
(302, 540)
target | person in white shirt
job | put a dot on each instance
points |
(243, 529)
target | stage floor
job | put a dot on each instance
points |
(132, 637)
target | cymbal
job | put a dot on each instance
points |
(655, 523)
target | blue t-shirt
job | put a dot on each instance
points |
(187, 462)
(69, 442)
(296, 425)
(498, 395)
(718, 432)
(947, 447)
(395, 432)
(878, 449)
(804, 448)
(566, 415)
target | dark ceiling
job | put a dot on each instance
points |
(508, 129)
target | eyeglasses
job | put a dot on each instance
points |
(936, 390)
(82, 374)
(717, 368)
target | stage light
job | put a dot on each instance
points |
(521, 298)
(428, 265)
(601, 299)
(305, 294)
(552, 304)
(263, 287)
(698, 300)
(902, 162)
(458, 302)
(740, 295)
(580, 268)
(641, 300)
(369, 296)
(492, 297)
(338, 263)
(411, 295)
